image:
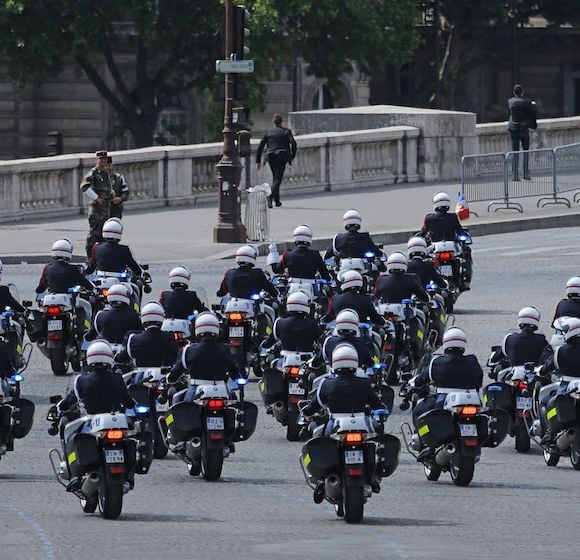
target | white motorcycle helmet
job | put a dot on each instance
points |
(207, 324)
(62, 249)
(344, 358)
(416, 246)
(302, 235)
(119, 293)
(352, 218)
(347, 321)
(573, 329)
(180, 276)
(113, 229)
(529, 317)
(351, 279)
(100, 353)
(397, 262)
(152, 312)
(441, 202)
(454, 338)
(298, 302)
(246, 254)
(573, 287)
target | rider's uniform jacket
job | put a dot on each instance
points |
(523, 347)
(426, 272)
(566, 359)
(243, 282)
(110, 256)
(568, 308)
(442, 226)
(150, 348)
(59, 276)
(397, 286)
(365, 358)
(207, 360)
(302, 262)
(361, 303)
(452, 370)
(352, 244)
(296, 333)
(8, 300)
(180, 303)
(113, 324)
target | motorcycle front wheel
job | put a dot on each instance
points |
(353, 503)
(212, 461)
(110, 500)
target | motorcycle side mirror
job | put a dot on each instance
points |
(27, 303)
(216, 307)
(495, 348)
(55, 399)
(145, 266)
(147, 289)
(529, 366)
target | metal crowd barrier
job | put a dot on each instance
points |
(256, 216)
(501, 177)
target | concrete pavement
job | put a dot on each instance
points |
(391, 213)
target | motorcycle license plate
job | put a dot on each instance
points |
(523, 403)
(294, 389)
(159, 407)
(114, 456)
(54, 325)
(445, 270)
(353, 457)
(236, 332)
(214, 423)
(467, 430)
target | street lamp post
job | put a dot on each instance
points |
(229, 228)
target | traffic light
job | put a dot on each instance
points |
(55, 147)
(241, 33)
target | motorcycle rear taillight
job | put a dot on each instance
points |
(236, 317)
(521, 386)
(53, 310)
(444, 256)
(235, 343)
(293, 371)
(216, 404)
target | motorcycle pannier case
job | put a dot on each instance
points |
(498, 399)
(184, 420)
(489, 423)
(247, 413)
(82, 454)
(389, 450)
(35, 325)
(561, 413)
(24, 418)
(272, 386)
(320, 456)
(435, 427)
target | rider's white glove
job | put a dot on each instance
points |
(273, 255)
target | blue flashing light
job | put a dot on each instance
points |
(379, 411)
(190, 317)
(432, 285)
(494, 389)
(242, 381)
(369, 254)
(142, 409)
(17, 378)
(378, 366)
(321, 281)
(123, 275)
(256, 297)
(407, 302)
(74, 290)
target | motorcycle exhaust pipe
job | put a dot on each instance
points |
(443, 456)
(279, 411)
(565, 440)
(196, 442)
(333, 487)
(90, 484)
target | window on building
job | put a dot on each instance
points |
(172, 124)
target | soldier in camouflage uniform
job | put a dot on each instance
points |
(120, 189)
(97, 186)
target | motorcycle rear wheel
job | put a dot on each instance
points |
(110, 500)
(575, 453)
(212, 461)
(522, 438)
(58, 361)
(462, 469)
(292, 428)
(353, 503)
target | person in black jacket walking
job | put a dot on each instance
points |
(281, 149)
(522, 118)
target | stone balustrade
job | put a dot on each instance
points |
(177, 175)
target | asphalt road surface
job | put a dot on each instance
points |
(516, 507)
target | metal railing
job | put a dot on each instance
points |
(501, 177)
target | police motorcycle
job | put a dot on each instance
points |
(450, 439)
(103, 280)
(513, 392)
(369, 266)
(182, 329)
(347, 450)
(147, 386)
(398, 339)
(318, 291)
(247, 323)
(12, 334)
(448, 255)
(58, 327)
(283, 385)
(100, 455)
(16, 413)
(437, 313)
(202, 432)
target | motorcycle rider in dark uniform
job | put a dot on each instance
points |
(526, 345)
(351, 298)
(152, 347)
(442, 225)
(280, 150)
(180, 302)
(60, 275)
(7, 299)
(302, 262)
(422, 267)
(113, 324)
(207, 359)
(110, 255)
(570, 307)
(522, 117)
(344, 392)
(453, 369)
(246, 280)
(353, 243)
(298, 332)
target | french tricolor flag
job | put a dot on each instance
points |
(462, 207)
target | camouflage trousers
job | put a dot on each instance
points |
(97, 217)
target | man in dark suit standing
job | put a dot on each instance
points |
(281, 149)
(522, 118)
